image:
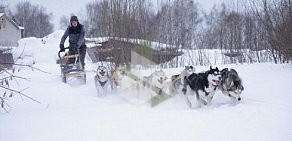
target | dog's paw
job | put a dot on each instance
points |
(160, 92)
(204, 102)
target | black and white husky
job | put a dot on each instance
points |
(179, 79)
(231, 84)
(102, 81)
(203, 86)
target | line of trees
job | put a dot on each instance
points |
(34, 18)
(258, 29)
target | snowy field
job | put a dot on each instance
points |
(73, 112)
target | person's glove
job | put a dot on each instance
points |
(62, 48)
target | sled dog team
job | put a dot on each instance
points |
(106, 80)
(202, 85)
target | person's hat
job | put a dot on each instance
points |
(73, 18)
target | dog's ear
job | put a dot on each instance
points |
(193, 68)
(210, 67)
(231, 84)
(234, 71)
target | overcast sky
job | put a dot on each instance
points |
(67, 7)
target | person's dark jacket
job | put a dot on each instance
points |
(76, 36)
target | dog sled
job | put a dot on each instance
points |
(74, 69)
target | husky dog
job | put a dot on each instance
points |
(203, 85)
(184, 74)
(156, 79)
(117, 75)
(187, 71)
(102, 80)
(179, 79)
(231, 84)
(175, 83)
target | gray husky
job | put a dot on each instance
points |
(179, 79)
(175, 83)
(231, 84)
(184, 74)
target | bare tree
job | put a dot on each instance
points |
(64, 22)
(259, 31)
(35, 20)
(2, 8)
(275, 16)
(6, 90)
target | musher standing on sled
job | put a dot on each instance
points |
(76, 33)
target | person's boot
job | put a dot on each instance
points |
(83, 67)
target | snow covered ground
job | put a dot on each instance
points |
(73, 112)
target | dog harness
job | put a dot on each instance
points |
(102, 83)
